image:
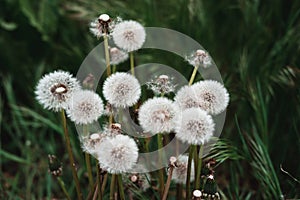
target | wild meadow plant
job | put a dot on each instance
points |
(188, 117)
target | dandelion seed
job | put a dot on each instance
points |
(122, 90)
(103, 25)
(199, 58)
(161, 85)
(54, 90)
(118, 154)
(90, 144)
(212, 96)
(157, 115)
(180, 171)
(85, 107)
(111, 130)
(129, 35)
(194, 126)
(186, 98)
(117, 56)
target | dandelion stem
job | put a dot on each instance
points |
(198, 174)
(167, 186)
(112, 187)
(131, 63)
(62, 185)
(104, 183)
(89, 170)
(114, 68)
(193, 75)
(107, 59)
(178, 191)
(99, 182)
(71, 158)
(121, 190)
(188, 176)
(161, 172)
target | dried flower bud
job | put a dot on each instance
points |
(55, 166)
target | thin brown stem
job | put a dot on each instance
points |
(188, 176)
(71, 158)
(107, 58)
(198, 174)
(112, 187)
(62, 186)
(167, 186)
(193, 75)
(131, 63)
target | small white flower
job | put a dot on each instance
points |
(180, 171)
(186, 98)
(54, 90)
(122, 89)
(212, 96)
(85, 107)
(118, 154)
(198, 58)
(157, 115)
(117, 56)
(194, 126)
(161, 85)
(129, 35)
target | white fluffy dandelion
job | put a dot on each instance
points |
(162, 84)
(180, 171)
(103, 25)
(117, 56)
(90, 143)
(85, 107)
(194, 126)
(199, 58)
(212, 95)
(118, 154)
(186, 98)
(129, 35)
(54, 90)
(122, 90)
(157, 115)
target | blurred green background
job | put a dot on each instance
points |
(255, 44)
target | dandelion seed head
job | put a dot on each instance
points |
(161, 85)
(85, 107)
(180, 171)
(117, 56)
(129, 35)
(55, 89)
(122, 90)
(212, 95)
(118, 154)
(194, 126)
(186, 98)
(156, 115)
(103, 25)
(90, 143)
(140, 180)
(199, 58)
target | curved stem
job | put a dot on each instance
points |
(167, 186)
(193, 75)
(107, 59)
(89, 170)
(62, 185)
(131, 63)
(71, 158)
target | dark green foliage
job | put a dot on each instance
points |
(254, 43)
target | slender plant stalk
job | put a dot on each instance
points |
(112, 187)
(178, 191)
(88, 161)
(99, 182)
(188, 176)
(89, 170)
(131, 63)
(193, 75)
(160, 172)
(107, 59)
(121, 189)
(114, 68)
(71, 158)
(198, 173)
(62, 185)
(195, 163)
(167, 186)
(96, 192)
